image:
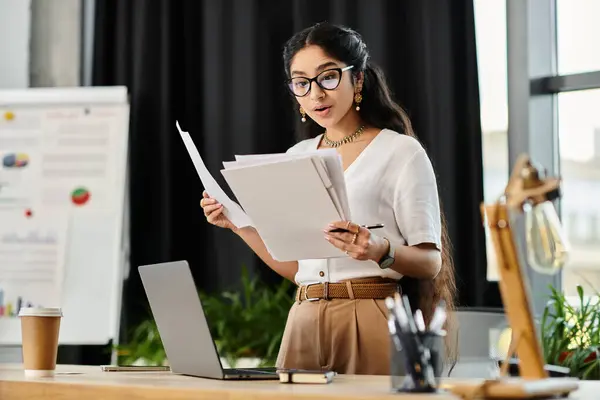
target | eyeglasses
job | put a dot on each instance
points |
(327, 80)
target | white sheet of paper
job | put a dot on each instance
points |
(251, 160)
(333, 163)
(290, 206)
(231, 209)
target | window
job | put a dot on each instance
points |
(579, 143)
(577, 32)
(556, 120)
(579, 149)
(490, 26)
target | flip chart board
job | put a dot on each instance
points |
(63, 217)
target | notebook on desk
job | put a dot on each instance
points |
(183, 327)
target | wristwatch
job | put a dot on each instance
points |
(388, 259)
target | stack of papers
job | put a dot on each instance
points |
(288, 198)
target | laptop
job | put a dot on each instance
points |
(183, 327)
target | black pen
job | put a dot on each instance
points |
(376, 226)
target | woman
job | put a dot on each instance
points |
(338, 321)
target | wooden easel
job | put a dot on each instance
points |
(525, 185)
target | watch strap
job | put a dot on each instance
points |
(389, 254)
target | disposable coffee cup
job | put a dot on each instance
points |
(39, 332)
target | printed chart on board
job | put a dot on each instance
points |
(32, 259)
(56, 157)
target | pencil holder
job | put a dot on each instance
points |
(403, 357)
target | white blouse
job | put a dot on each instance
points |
(391, 182)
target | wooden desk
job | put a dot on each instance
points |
(91, 383)
(85, 382)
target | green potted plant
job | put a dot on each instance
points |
(249, 324)
(246, 325)
(144, 346)
(571, 333)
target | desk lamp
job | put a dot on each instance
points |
(530, 192)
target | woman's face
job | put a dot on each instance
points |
(325, 107)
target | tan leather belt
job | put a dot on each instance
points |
(357, 289)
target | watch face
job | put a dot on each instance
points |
(387, 262)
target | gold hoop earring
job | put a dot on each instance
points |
(357, 100)
(303, 113)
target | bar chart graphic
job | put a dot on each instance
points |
(9, 307)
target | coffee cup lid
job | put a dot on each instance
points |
(40, 312)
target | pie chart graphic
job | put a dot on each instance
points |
(80, 196)
(15, 160)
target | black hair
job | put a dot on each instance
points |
(380, 111)
(344, 44)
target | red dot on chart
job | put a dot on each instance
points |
(28, 213)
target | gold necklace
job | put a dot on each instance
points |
(345, 139)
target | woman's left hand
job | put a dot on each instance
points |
(357, 242)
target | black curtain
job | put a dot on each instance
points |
(216, 67)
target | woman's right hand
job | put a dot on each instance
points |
(214, 212)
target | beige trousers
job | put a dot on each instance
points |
(349, 336)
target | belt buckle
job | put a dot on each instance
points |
(306, 298)
(325, 292)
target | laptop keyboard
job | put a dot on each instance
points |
(241, 371)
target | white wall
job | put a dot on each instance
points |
(15, 24)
